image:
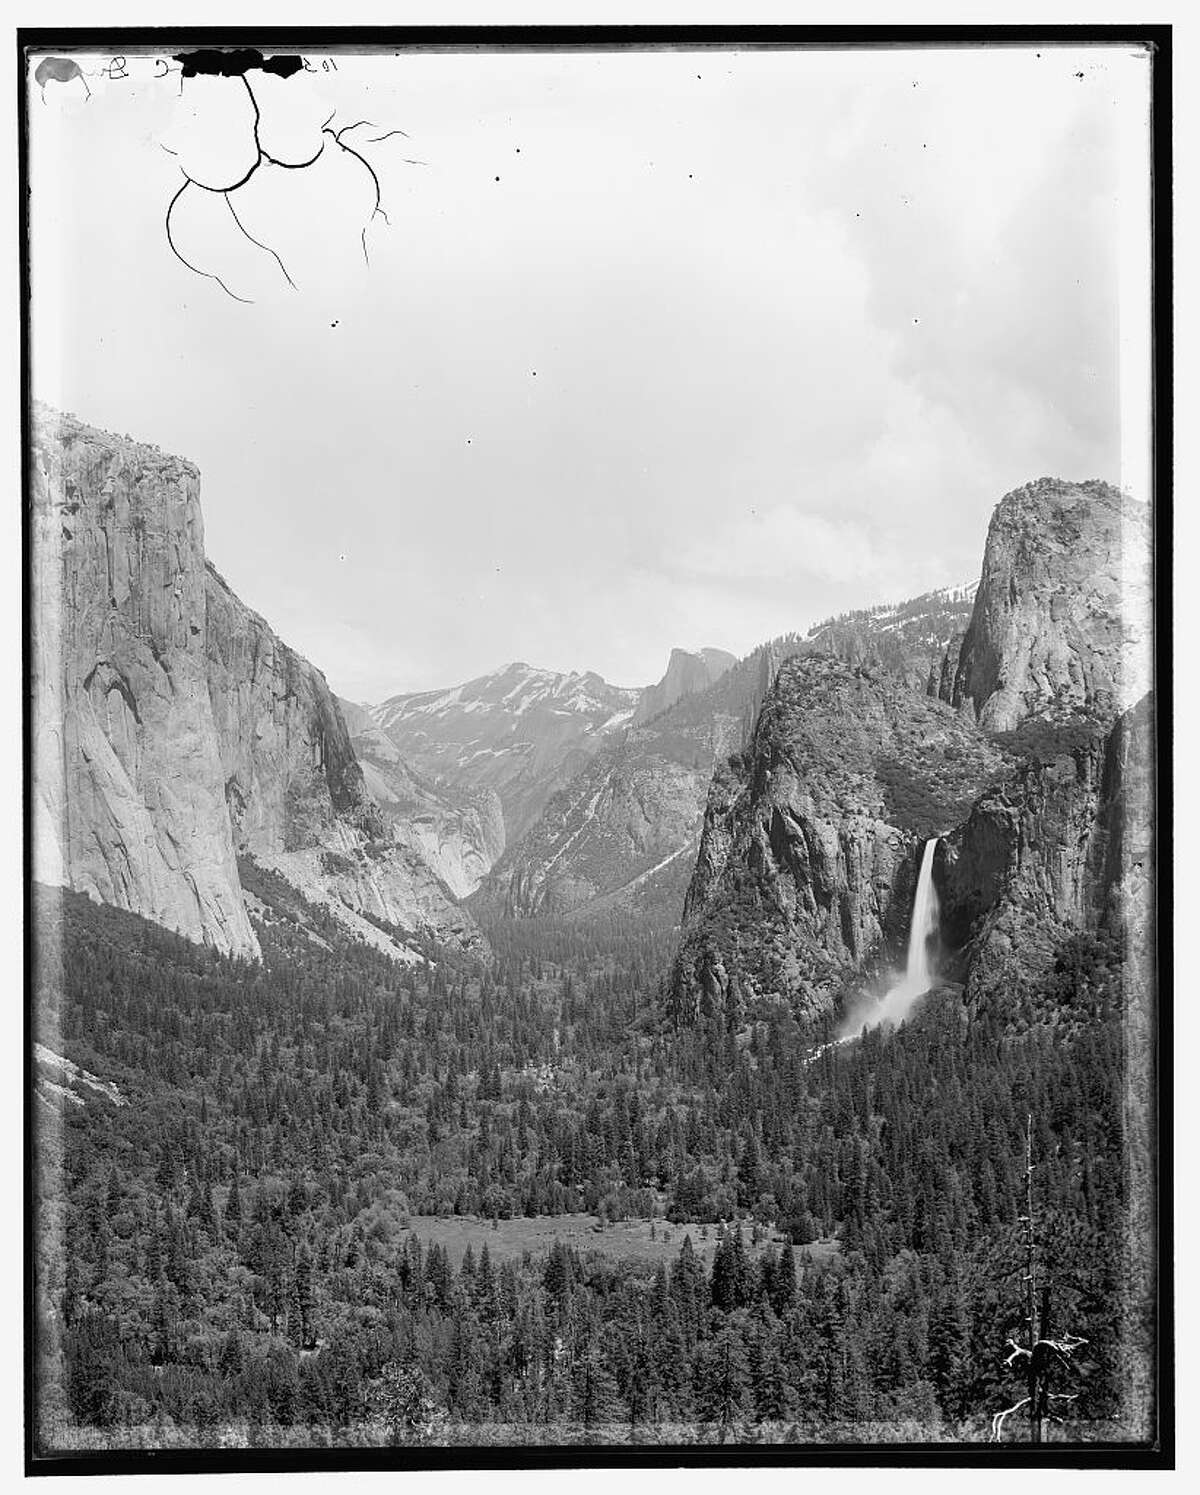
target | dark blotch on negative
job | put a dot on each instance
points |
(56, 70)
(235, 62)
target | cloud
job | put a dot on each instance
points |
(784, 543)
(983, 207)
(644, 360)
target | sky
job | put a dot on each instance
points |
(641, 350)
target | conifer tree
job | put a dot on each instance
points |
(594, 1399)
(722, 1381)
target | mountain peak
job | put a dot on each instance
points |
(686, 674)
(520, 730)
(1063, 614)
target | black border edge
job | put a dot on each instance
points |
(1159, 1454)
(25, 397)
(1163, 892)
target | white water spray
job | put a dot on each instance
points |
(899, 1001)
(918, 978)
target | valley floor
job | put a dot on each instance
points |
(328, 1201)
(647, 1240)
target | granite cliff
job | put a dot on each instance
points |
(812, 836)
(129, 788)
(1057, 663)
(686, 675)
(1039, 785)
(1062, 615)
(173, 732)
(520, 732)
(457, 832)
(626, 829)
(1066, 845)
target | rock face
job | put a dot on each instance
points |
(520, 732)
(1062, 617)
(812, 837)
(687, 674)
(288, 766)
(460, 834)
(1065, 845)
(173, 731)
(129, 783)
(627, 828)
(907, 639)
(356, 717)
(617, 831)
(1042, 792)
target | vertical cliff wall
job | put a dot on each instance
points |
(173, 731)
(1066, 845)
(1062, 617)
(1042, 794)
(812, 836)
(289, 768)
(129, 789)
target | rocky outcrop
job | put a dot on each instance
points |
(458, 833)
(173, 731)
(811, 836)
(520, 732)
(356, 716)
(288, 766)
(687, 674)
(129, 785)
(1062, 618)
(296, 790)
(907, 639)
(940, 682)
(625, 829)
(623, 821)
(1064, 846)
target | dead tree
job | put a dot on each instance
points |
(1043, 1354)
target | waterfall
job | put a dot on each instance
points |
(924, 924)
(918, 978)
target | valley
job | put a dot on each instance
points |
(582, 1061)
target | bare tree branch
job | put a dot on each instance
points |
(998, 1418)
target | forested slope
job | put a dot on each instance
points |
(238, 1263)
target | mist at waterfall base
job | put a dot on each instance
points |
(900, 998)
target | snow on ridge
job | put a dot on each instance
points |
(517, 689)
(963, 593)
(588, 816)
(658, 866)
(617, 719)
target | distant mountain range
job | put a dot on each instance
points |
(520, 732)
(183, 753)
(601, 789)
(627, 827)
(503, 743)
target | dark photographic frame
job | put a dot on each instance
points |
(1159, 1454)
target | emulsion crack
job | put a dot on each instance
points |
(258, 242)
(207, 274)
(234, 65)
